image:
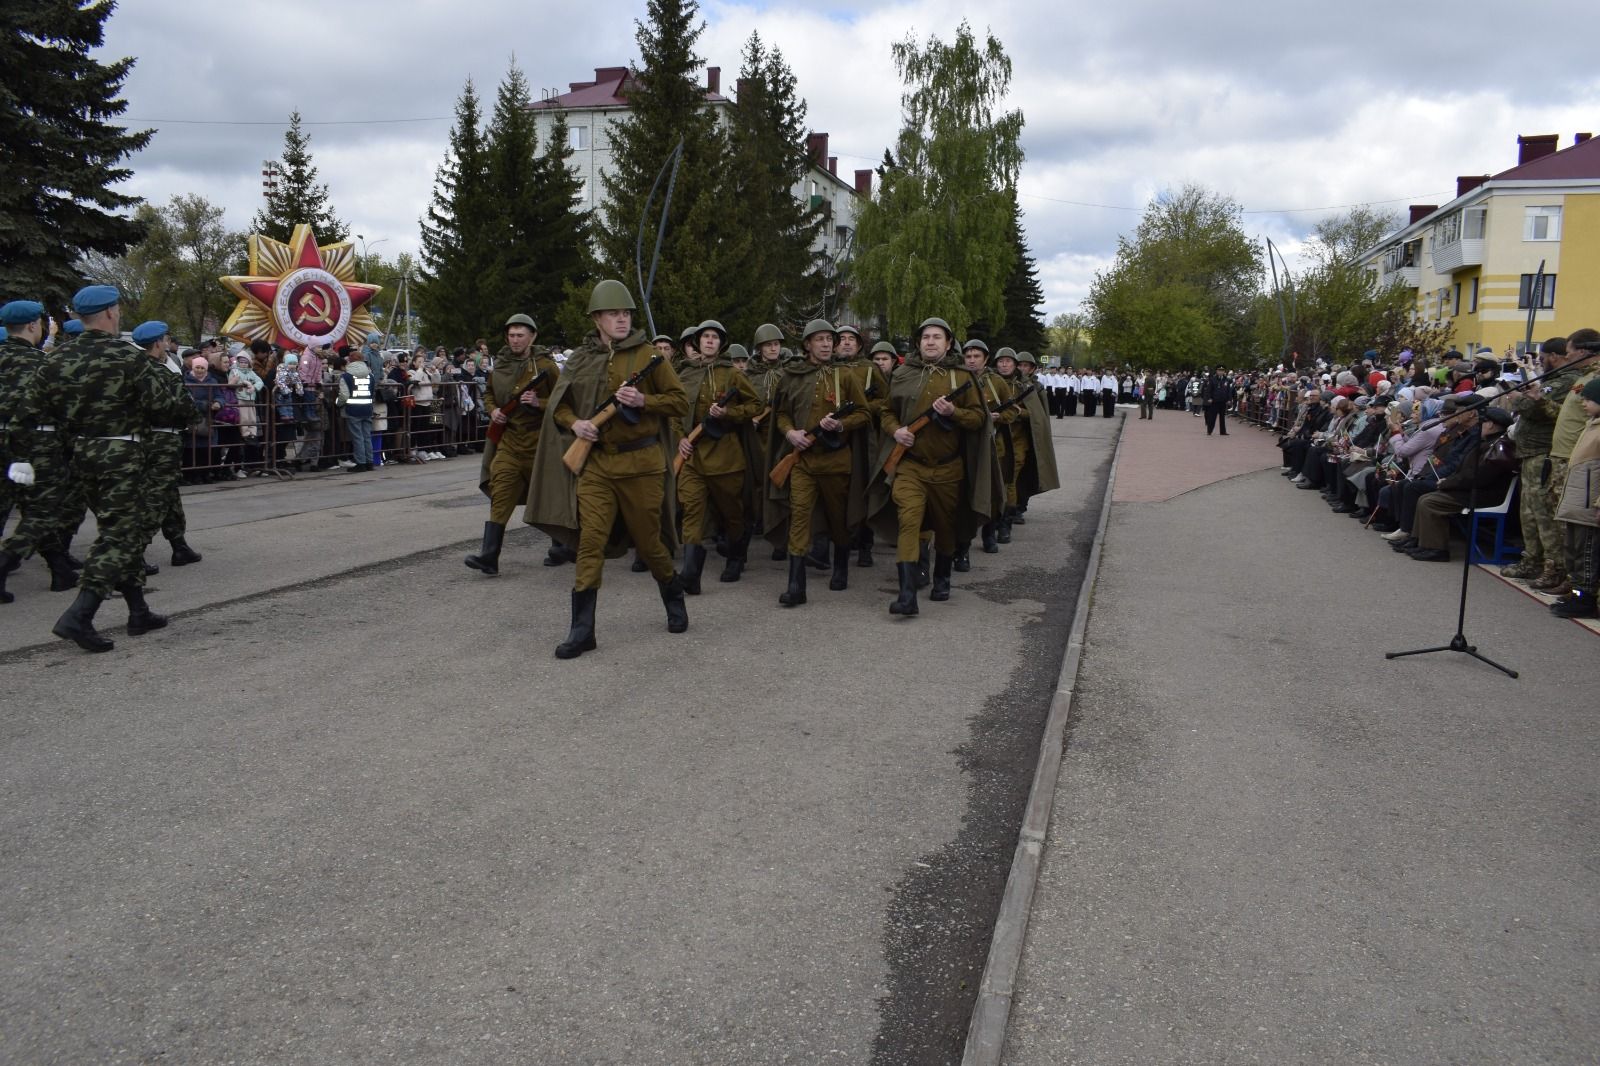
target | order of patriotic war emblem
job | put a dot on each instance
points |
(312, 307)
(300, 294)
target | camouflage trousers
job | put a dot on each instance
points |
(1543, 542)
(111, 473)
(52, 507)
(163, 470)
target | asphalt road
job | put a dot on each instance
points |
(348, 807)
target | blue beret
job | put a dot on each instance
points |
(94, 298)
(21, 312)
(145, 333)
(4, 336)
(374, 338)
(72, 327)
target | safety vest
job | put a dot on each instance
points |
(360, 401)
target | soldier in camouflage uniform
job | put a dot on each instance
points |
(106, 394)
(163, 452)
(46, 504)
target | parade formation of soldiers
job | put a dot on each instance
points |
(665, 448)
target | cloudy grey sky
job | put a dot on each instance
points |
(1290, 107)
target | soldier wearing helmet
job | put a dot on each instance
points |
(624, 485)
(764, 372)
(810, 391)
(876, 387)
(996, 392)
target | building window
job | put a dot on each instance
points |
(1542, 224)
(1547, 298)
(1474, 221)
(1455, 302)
(578, 138)
(1472, 306)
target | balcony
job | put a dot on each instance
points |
(1457, 255)
(1408, 276)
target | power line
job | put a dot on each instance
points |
(282, 122)
(1248, 211)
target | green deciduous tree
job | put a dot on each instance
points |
(456, 229)
(936, 240)
(296, 197)
(60, 150)
(1189, 265)
(1069, 339)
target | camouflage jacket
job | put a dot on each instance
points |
(102, 386)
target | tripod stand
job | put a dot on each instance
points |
(1459, 641)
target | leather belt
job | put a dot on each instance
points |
(131, 437)
(630, 446)
(44, 429)
(164, 429)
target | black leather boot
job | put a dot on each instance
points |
(991, 546)
(779, 554)
(922, 566)
(941, 577)
(841, 568)
(694, 561)
(639, 565)
(817, 557)
(795, 594)
(182, 554)
(559, 554)
(738, 552)
(1003, 527)
(141, 619)
(151, 569)
(580, 638)
(864, 547)
(9, 561)
(963, 561)
(672, 599)
(62, 574)
(907, 601)
(487, 561)
(77, 624)
(1016, 515)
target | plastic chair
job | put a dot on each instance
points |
(1503, 552)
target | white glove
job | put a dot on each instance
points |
(21, 473)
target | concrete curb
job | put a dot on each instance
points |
(986, 1034)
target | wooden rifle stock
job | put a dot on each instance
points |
(495, 432)
(916, 426)
(694, 434)
(578, 453)
(781, 469)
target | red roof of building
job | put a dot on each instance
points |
(1581, 160)
(608, 89)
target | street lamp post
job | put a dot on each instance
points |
(366, 266)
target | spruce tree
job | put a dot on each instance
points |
(456, 233)
(768, 157)
(562, 249)
(1022, 328)
(513, 276)
(297, 197)
(60, 149)
(701, 258)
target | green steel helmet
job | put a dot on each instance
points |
(738, 351)
(1027, 357)
(1006, 353)
(659, 337)
(768, 332)
(975, 343)
(818, 325)
(611, 295)
(885, 346)
(712, 323)
(688, 335)
(949, 333)
(850, 330)
(521, 320)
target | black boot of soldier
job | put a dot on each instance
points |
(991, 546)
(694, 563)
(639, 565)
(62, 575)
(817, 557)
(8, 562)
(580, 638)
(487, 561)
(907, 601)
(672, 599)
(182, 554)
(840, 580)
(963, 561)
(141, 619)
(942, 564)
(77, 624)
(559, 554)
(738, 552)
(1016, 514)
(1003, 527)
(795, 594)
(864, 547)
(922, 566)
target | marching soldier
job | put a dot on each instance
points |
(1035, 468)
(810, 391)
(947, 464)
(1019, 439)
(163, 451)
(106, 394)
(715, 479)
(627, 478)
(45, 499)
(995, 391)
(514, 396)
(739, 355)
(876, 387)
(764, 374)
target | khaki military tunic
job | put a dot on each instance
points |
(927, 483)
(821, 478)
(510, 468)
(712, 481)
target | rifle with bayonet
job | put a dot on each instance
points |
(498, 430)
(917, 425)
(695, 433)
(781, 469)
(579, 452)
(1001, 408)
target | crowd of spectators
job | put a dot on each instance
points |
(1406, 449)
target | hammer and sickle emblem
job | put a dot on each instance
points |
(314, 311)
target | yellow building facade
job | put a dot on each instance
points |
(1475, 261)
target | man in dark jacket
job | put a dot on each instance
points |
(1217, 393)
(1479, 480)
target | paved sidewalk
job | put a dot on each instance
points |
(1171, 454)
(1271, 845)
